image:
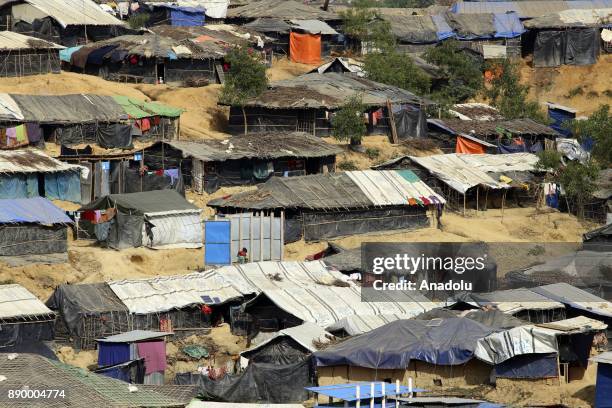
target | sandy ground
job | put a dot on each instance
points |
(555, 84)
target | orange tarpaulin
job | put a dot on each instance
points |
(467, 146)
(305, 48)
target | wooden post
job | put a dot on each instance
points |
(392, 123)
(240, 232)
(503, 203)
(261, 235)
(464, 198)
(282, 234)
(143, 171)
(477, 191)
(271, 233)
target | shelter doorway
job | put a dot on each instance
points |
(160, 73)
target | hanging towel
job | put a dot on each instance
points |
(172, 173)
(21, 134)
(154, 354)
(34, 132)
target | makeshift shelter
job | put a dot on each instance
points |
(475, 111)
(66, 22)
(440, 350)
(28, 173)
(494, 136)
(330, 205)
(88, 312)
(24, 318)
(176, 15)
(599, 238)
(208, 165)
(155, 219)
(286, 346)
(526, 10)
(478, 181)
(21, 55)
(280, 9)
(561, 116)
(32, 230)
(86, 389)
(603, 383)
(145, 350)
(570, 37)
(599, 206)
(152, 59)
(307, 103)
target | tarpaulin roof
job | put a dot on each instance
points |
(358, 324)
(526, 9)
(313, 27)
(36, 210)
(139, 109)
(147, 202)
(10, 41)
(576, 298)
(351, 189)
(414, 29)
(282, 9)
(515, 300)
(447, 342)
(32, 160)
(475, 111)
(529, 339)
(305, 335)
(578, 324)
(269, 25)
(217, 286)
(75, 12)
(488, 128)
(573, 18)
(16, 302)
(133, 336)
(260, 146)
(212, 8)
(464, 171)
(330, 91)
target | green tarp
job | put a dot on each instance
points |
(138, 109)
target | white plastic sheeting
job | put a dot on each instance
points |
(388, 187)
(65, 12)
(354, 325)
(305, 335)
(17, 302)
(175, 230)
(9, 110)
(313, 27)
(464, 171)
(499, 347)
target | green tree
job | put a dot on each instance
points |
(464, 73)
(246, 79)
(348, 122)
(578, 180)
(365, 24)
(510, 96)
(598, 127)
(392, 68)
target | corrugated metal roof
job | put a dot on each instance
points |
(260, 146)
(526, 9)
(32, 161)
(575, 297)
(10, 41)
(75, 12)
(134, 335)
(16, 302)
(464, 171)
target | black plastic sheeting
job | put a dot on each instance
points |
(31, 239)
(31, 347)
(394, 345)
(410, 123)
(19, 333)
(571, 47)
(260, 382)
(125, 231)
(114, 135)
(281, 350)
(528, 366)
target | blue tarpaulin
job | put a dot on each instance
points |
(603, 387)
(65, 185)
(113, 353)
(18, 186)
(507, 25)
(186, 16)
(217, 243)
(33, 210)
(528, 366)
(66, 53)
(559, 117)
(444, 30)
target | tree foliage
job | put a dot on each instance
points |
(348, 123)
(363, 23)
(392, 68)
(464, 73)
(578, 181)
(246, 77)
(599, 128)
(510, 96)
